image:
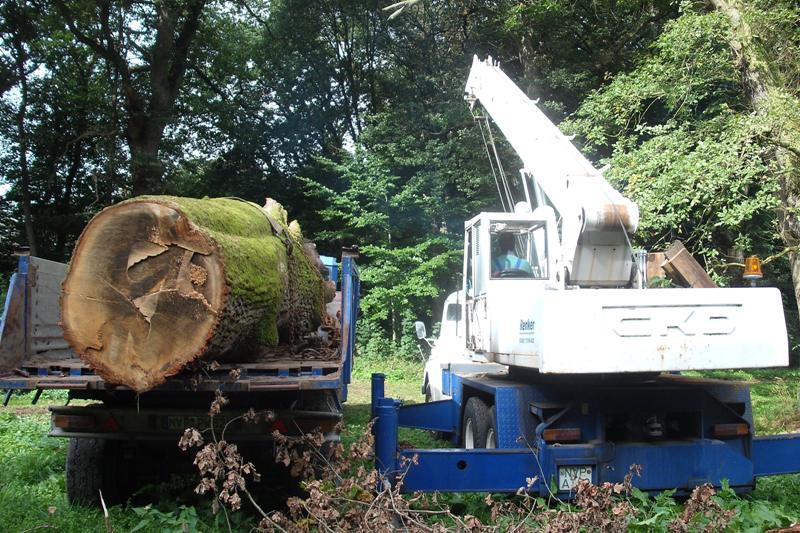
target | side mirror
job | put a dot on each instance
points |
(420, 327)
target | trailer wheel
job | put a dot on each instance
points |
(478, 427)
(94, 465)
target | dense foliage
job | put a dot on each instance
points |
(356, 122)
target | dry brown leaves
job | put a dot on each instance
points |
(701, 504)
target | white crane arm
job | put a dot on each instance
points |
(586, 202)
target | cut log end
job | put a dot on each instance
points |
(159, 277)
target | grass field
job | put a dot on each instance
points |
(32, 495)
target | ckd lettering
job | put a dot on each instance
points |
(653, 322)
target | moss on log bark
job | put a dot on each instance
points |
(156, 282)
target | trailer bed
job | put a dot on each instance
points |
(286, 374)
(35, 356)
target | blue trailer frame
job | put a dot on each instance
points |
(704, 449)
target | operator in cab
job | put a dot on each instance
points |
(507, 260)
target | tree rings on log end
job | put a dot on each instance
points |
(143, 294)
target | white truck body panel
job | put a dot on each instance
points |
(624, 330)
(449, 351)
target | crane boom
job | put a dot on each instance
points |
(595, 218)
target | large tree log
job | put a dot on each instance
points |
(157, 282)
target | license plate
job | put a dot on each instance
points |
(568, 476)
(179, 423)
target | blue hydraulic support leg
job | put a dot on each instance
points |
(386, 439)
(378, 381)
(386, 434)
(385, 414)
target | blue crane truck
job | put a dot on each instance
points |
(516, 428)
(118, 439)
(555, 366)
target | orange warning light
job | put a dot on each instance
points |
(752, 268)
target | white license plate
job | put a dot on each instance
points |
(568, 476)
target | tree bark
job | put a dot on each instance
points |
(759, 90)
(146, 169)
(157, 282)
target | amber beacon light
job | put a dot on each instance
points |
(752, 269)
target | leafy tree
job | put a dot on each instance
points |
(404, 266)
(148, 47)
(561, 50)
(684, 143)
(18, 30)
(774, 95)
(64, 147)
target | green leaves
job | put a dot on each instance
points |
(683, 145)
(179, 521)
(405, 267)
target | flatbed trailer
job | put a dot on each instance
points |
(677, 432)
(123, 439)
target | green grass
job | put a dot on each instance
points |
(32, 490)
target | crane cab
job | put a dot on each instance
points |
(509, 259)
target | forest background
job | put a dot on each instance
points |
(353, 117)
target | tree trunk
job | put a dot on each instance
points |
(64, 202)
(756, 81)
(157, 282)
(146, 168)
(149, 111)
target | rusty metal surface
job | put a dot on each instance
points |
(615, 215)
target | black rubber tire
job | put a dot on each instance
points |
(478, 419)
(94, 465)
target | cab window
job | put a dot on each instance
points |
(519, 250)
(453, 312)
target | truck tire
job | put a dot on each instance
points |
(94, 465)
(478, 428)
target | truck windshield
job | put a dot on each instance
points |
(519, 249)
